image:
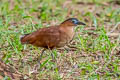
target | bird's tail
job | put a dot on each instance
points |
(24, 39)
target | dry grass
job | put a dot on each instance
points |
(95, 49)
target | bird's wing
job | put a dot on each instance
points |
(45, 37)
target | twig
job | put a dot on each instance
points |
(118, 40)
(115, 27)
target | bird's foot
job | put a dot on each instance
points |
(35, 69)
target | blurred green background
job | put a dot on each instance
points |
(97, 50)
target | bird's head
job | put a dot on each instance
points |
(72, 22)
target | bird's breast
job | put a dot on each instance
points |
(66, 36)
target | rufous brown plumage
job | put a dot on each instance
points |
(53, 36)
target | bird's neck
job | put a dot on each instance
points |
(69, 30)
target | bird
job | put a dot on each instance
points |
(53, 36)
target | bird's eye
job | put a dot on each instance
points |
(74, 21)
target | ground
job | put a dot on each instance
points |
(93, 54)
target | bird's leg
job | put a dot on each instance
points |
(40, 57)
(52, 55)
(37, 66)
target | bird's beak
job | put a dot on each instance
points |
(81, 23)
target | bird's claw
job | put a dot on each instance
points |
(35, 69)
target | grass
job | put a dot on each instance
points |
(96, 54)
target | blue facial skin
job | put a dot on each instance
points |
(77, 22)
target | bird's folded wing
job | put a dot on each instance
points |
(45, 37)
